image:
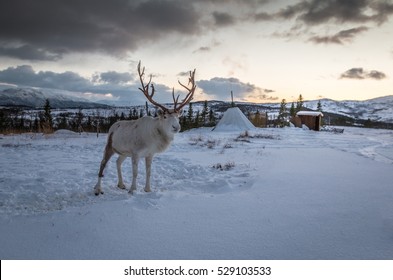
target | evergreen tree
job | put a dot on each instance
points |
(22, 122)
(190, 113)
(97, 121)
(47, 121)
(147, 109)
(63, 122)
(183, 123)
(196, 120)
(3, 120)
(205, 112)
(36, 124)
(133, 114)
(79, 120)
(292, 111)
(89, 123)
(212, 118)
(282, 113)
(299, 103)
(319, 106)
(283, 107)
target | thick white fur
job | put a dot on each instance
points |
(141, 138)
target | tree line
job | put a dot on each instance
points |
(19, 120)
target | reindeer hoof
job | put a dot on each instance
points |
(98, 193)
(121, 186)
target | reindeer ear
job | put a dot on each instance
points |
(160, 112)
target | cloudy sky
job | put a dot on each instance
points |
(262, 50)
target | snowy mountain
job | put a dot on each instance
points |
(378, 109)
(35, 98)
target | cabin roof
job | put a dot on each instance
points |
(309, 113)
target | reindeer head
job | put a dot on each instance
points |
(169, 121)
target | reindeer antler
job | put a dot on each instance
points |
(190, 94)
(145, 88)
(149, 96)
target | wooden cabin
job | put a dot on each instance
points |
(311, 119)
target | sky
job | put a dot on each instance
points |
(262, 50)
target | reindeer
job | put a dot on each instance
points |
(145, 137)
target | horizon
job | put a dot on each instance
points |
(77, 96)
(264, 51)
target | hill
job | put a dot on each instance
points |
(35, 98)
(377, 109)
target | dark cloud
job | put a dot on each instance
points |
(25, 75)
(29, 52)
(113, 77)
(263, 16)
(121, 86)
(220, 89)
(377, 75)
(340, 37)
(340, 11)
(49, 29)
(312, 13)
(321, 11)
(353, 73)
(292, 11)
(223, 19)
(165, 16)
(360, 74)
(385, 10)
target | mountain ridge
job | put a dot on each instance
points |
(35, 98)
(379, 109)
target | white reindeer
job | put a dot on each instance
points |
(145, 137)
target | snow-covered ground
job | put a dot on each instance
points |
(276, 194)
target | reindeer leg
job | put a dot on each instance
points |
(108, 153)
(119, 162)
(134, 160)
(148, 160)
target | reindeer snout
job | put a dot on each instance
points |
(176, 128)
